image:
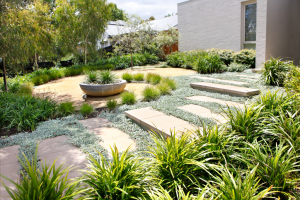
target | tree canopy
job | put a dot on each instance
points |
(117, 14)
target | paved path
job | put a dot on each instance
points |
(203, 112)
(157, 121)
(210, 99)
(9, 167)
(225, 89)
(110, 136)
(220, 80)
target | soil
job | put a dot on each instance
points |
(67, 89)
(8, 132)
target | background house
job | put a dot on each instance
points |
(272, 27)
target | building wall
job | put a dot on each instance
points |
(206, 24)
(283, 30)
(261, 32)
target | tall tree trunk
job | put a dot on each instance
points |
(4, 74)
(131, 56)
(36, 60)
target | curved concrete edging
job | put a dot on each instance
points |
(103, 90)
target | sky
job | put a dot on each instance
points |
(147, 8)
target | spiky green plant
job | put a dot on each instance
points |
(127, 77)
(179, 162)
(91, 76)
(128, 98)
(244, 121)
(26, 89)
(153, 78)
(276, 167)
(124, 177)
(107, 77)
(151, 93)
(171, 82)
(138, 77)
(111, 104)
(66, 108)
(239, 187)
(49, 182)
(164, 88)
(86, 109)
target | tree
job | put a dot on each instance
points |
(13, 36)
(167, 38)
(151, 18)
(117, 14)
(128, 39)
(93, 16)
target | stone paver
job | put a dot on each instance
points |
(157, 121)
(210, 99)
(225, 89)
(247, 76)
(110, 136)
(9, 167)
(220, 80)
(203, 112)
(57, 148)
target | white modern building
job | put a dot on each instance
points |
(272, 27)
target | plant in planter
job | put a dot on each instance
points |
(102, 83)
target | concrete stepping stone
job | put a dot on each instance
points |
(220, 80)
(210, 99)
(158, 122)
(203, 112)
(56, 148)
(225, 89)
(110, 136)
(9, 167)
(247, 76)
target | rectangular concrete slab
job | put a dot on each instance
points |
(203, 112)
(210, 99)
(220, 80)
(158, 122)
(225, 89)
(92, 123)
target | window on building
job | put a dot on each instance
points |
(250, 13)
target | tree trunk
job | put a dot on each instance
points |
(36, 60)
(4, 74)
(131, 56)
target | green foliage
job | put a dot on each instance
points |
(86, 109)
(276, 166)
(239, 187)
(128, 98)
(107, 77)
(138, 77)
(41, 79)
(26, 88)
(111, 104)
(164, 88)
(91, 76)
(208, 64)
(153, 78)
(178, 162)
(275, 71)
(292, 81)
(49, 182)
(65, 109)
(117, 14)
(122, 178)
(171, 82)
(246, 57)
(236, 67)
(151, 93)
(24, 112)
(127, 77)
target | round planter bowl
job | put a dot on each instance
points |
(103, 90)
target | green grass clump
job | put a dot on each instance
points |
(86, 109)
(164, 88)
(111, 104)
(66, 108)
(128, 98)
(55, 180)
(91, 76)
(151, 93)
(138, 77)
(41, 79)
(171, 82)
(26, 88)
(153, 78)
(237, 67)
(123, 177)
(127, 77)
(107, 77)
